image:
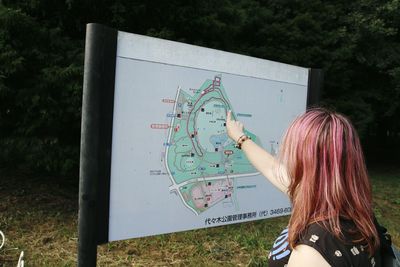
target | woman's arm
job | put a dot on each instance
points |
(258, 157)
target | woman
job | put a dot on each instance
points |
(321, 167)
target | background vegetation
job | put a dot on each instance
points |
(356, 43)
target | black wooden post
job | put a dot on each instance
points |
(96, 137)
(315, 85)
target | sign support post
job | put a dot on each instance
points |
(96, 138)
(315, 85)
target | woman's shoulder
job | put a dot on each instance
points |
(304, 256)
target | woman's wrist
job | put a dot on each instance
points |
(237, 136)
(242, 139)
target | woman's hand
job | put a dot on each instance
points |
(233, 128)
(259, 157)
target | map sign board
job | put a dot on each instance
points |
(173, 167)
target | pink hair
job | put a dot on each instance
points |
(324, 160)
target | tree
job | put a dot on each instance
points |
(356, 43)
(40, 94)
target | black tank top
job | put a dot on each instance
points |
(333, 250)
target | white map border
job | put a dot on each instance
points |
(169, 52)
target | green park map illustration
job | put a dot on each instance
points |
(201, 160)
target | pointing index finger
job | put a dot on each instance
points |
(228, 115)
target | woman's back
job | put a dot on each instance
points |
(334, 251)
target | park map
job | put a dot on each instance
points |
(201, 160)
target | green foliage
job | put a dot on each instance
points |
(40, 94)
(356, 43)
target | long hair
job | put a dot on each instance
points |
(328, 177)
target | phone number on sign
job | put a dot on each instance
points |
(279, 211)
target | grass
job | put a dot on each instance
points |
(386, 200)
(39, 216)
